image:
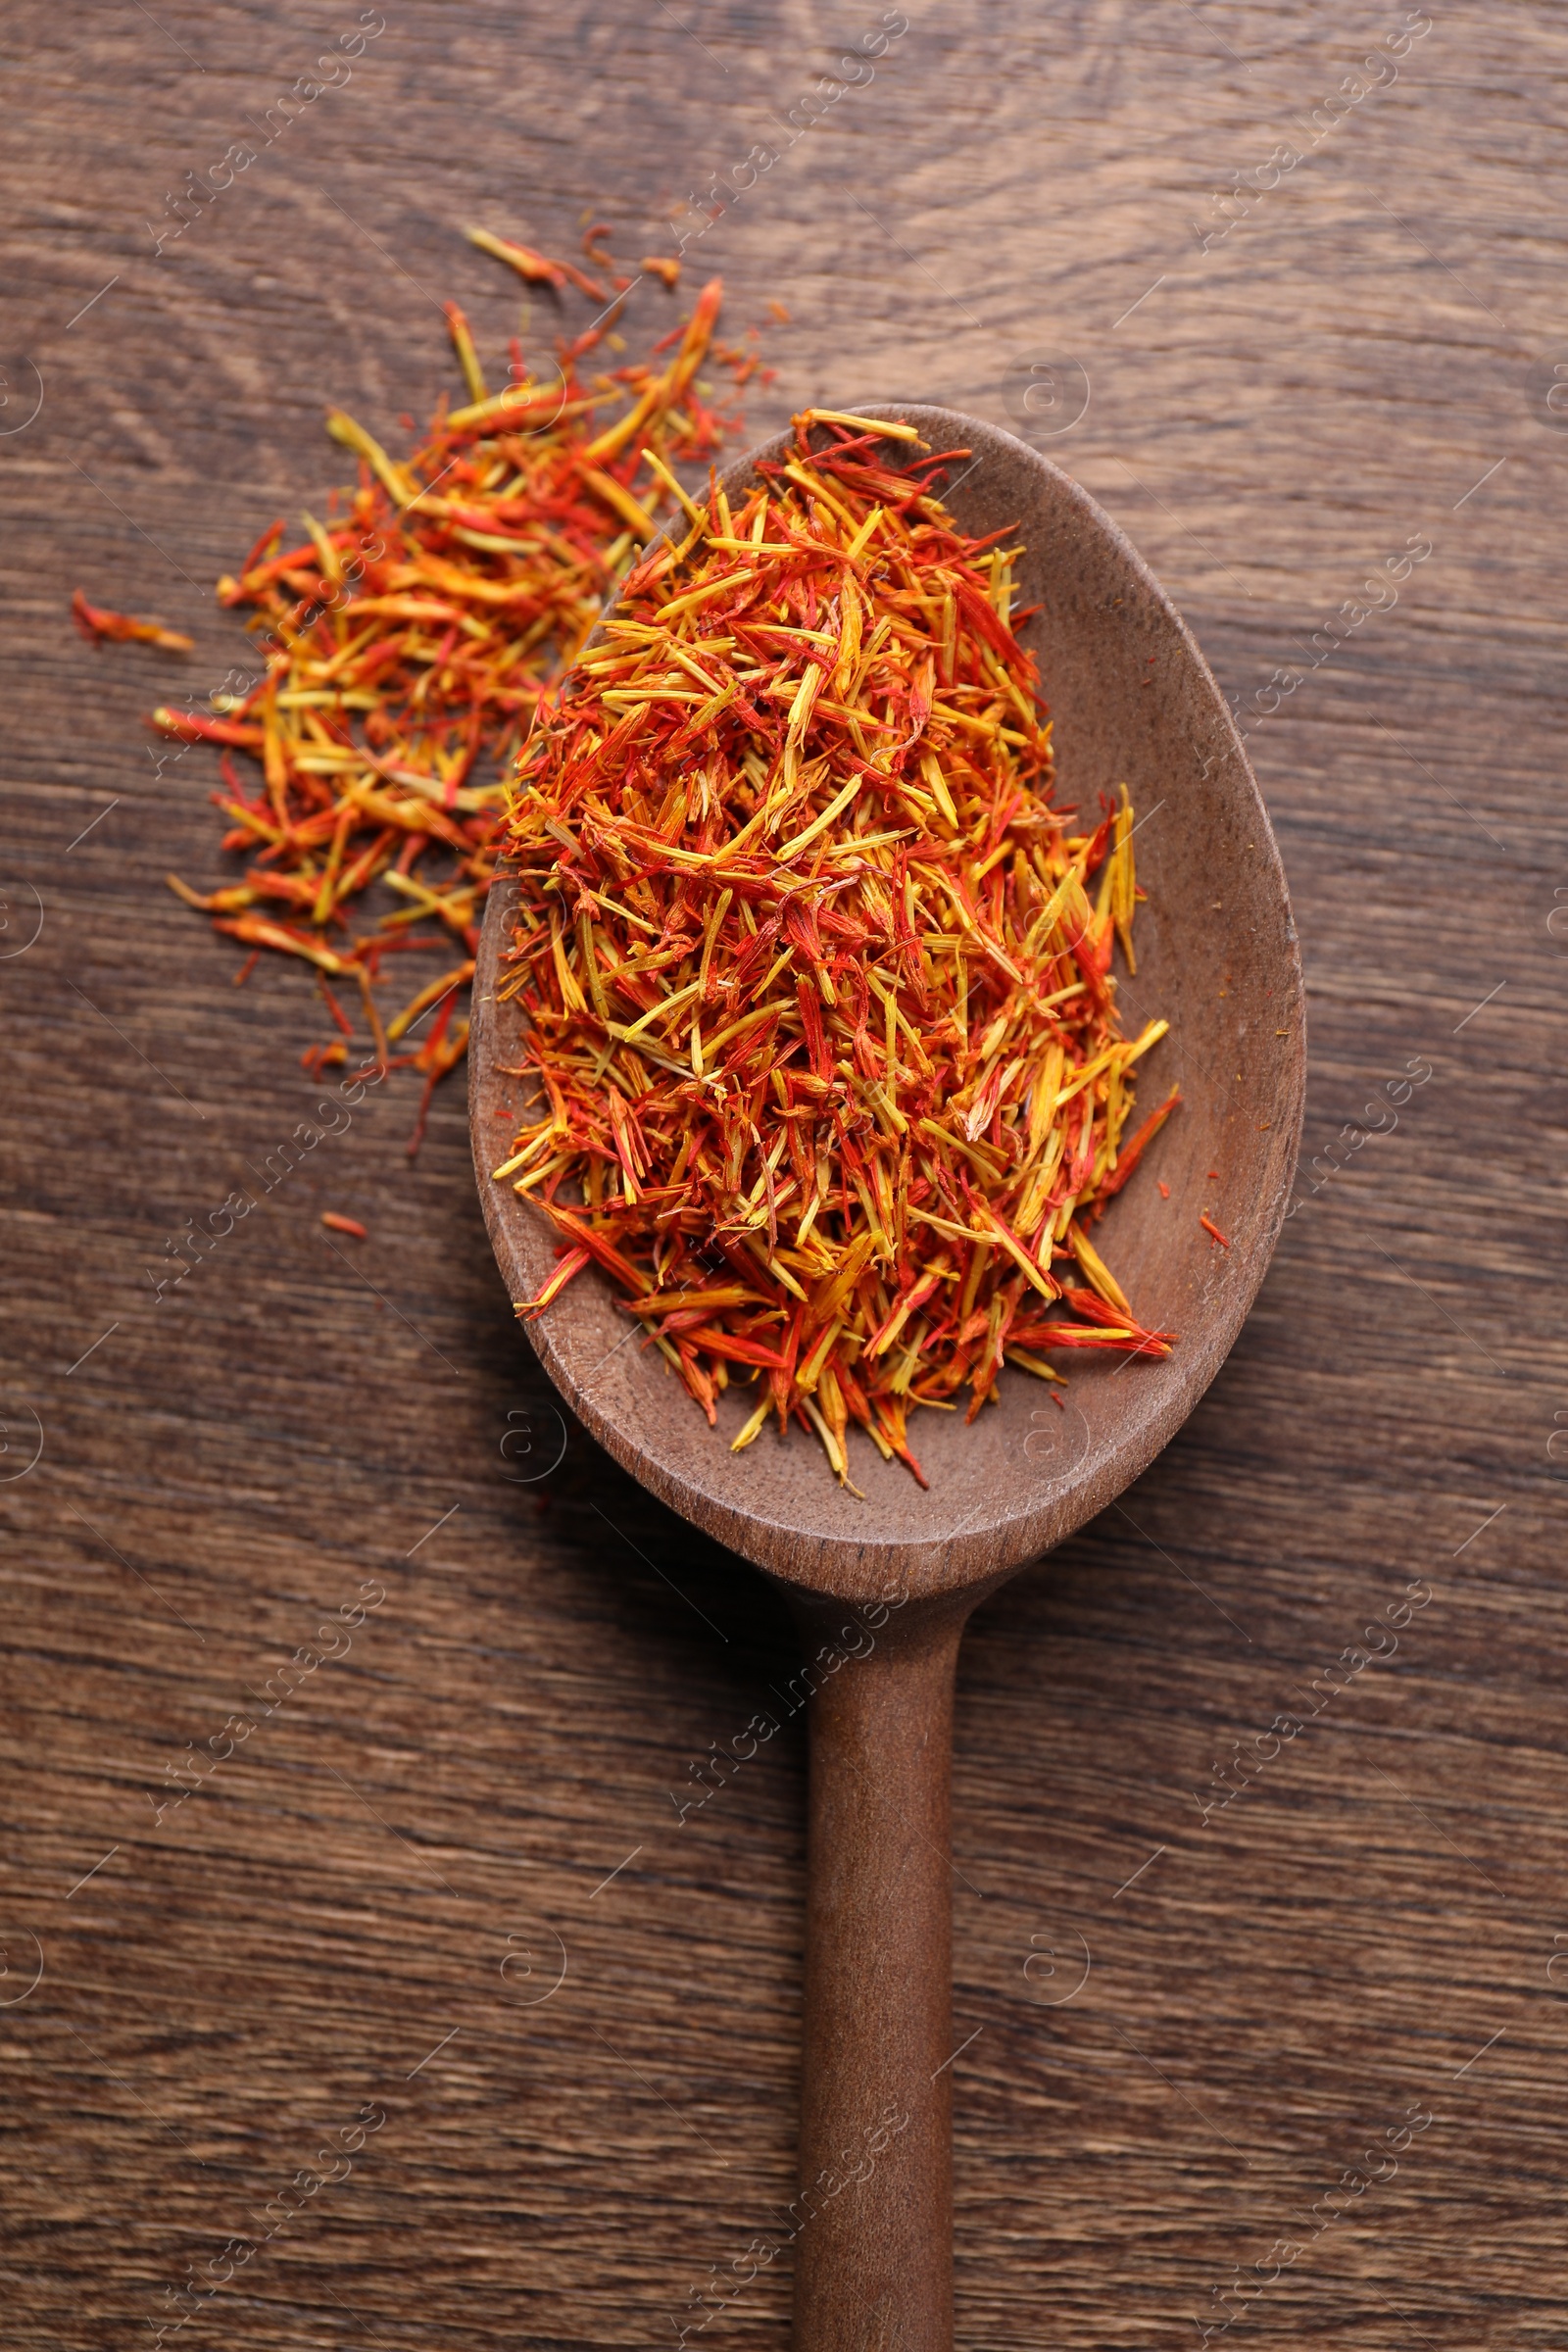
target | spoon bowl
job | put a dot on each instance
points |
(883, 1583)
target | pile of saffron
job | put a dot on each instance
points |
(817, 977)
(406, 645)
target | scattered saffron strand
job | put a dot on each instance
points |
(337, 1224)
(1130, 1154)
(406, 644)
(97, 624)
(819, 993)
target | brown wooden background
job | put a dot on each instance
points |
(1362, 360)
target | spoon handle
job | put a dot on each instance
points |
(874, 2250)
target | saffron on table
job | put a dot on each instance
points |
(405, 645)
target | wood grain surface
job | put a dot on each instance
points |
(439, 1915)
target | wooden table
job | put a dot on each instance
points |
(1305, 2042)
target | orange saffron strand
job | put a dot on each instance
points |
(97, 624)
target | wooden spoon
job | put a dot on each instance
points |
(883, 1587)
